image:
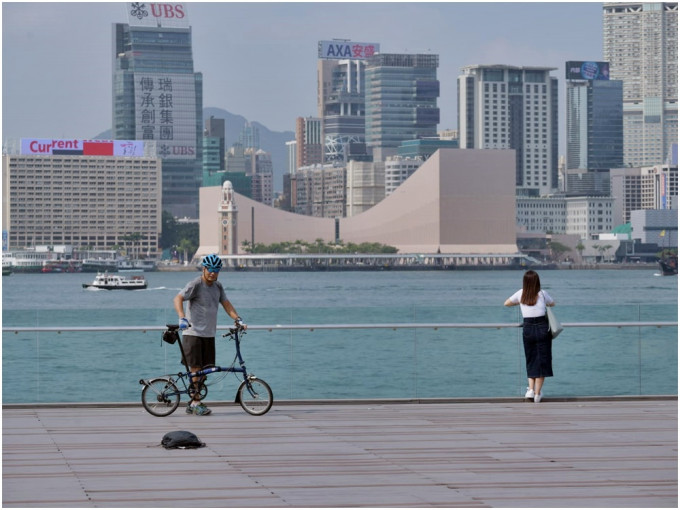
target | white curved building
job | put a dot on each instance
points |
(458, 201)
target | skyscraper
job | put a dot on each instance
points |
(309, 142)
(594, 117)
(341, 89)
(401, 100)
(508, 107)
(641, 45)
(158, 96)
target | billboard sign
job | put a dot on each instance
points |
(50, 147)
(146, 14)
(165, 111)
(342, 50)
(579, 70)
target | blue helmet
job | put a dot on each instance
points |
(212, 262)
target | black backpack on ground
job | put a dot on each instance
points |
(181, 439)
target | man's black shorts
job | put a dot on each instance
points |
(199, 350)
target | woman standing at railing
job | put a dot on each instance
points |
(536, 332)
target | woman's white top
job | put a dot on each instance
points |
(537, 310)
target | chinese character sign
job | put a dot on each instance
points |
(165, 111)
(341, 50)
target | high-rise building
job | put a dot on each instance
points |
(309, 140)
(75, 192)
(158, 96)
(594, 118)
(641, 45)
(365, 185)
(341, 95)
(321, 191)
(215, 135)
(250, 136)
(401, 100)
(508, 107)
(653, 187)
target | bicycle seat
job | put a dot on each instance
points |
(172, 327)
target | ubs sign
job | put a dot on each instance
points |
(145, 14)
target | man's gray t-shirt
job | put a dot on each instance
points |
(203, 301)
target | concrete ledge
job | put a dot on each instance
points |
(459, 400)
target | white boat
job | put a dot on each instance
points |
(108, 281)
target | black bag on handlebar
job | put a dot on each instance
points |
(170, 336)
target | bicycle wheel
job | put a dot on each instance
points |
(160, 397)
(255, 396)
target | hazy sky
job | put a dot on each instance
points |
(259, 59)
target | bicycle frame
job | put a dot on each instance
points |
(161, 395)
(189, 375)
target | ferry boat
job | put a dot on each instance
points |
(108, 281)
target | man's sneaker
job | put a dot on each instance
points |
(200, 410)
(529, 393)
(537, 398)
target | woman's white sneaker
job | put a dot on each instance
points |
(537, 398)
(529, 393)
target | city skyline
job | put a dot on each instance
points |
(266, 42)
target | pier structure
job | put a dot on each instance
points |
(388, 261)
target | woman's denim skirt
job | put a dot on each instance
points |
(537, 347)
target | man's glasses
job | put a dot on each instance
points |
(213, 269)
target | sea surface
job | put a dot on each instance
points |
(106, 366)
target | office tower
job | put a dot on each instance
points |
(594, 118)
(641, 46)
(594, 127)
(401, 100)
(309, 141)
(341, 96)
(215, 135)
(262, 172)
(250, 136)
(291, 156)
(158, 96)
(508, 107)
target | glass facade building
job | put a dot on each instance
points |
(401, 98)
(594, 124)
(158, 96)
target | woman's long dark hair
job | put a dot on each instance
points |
(531, 286)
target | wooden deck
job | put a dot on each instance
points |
(504, 453)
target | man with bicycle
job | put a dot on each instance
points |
(203, 296)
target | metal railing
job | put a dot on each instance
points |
(313, 327)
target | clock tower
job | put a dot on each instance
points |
(228, 224)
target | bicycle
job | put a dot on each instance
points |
(161, 395)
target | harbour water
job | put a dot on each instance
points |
(344, 363)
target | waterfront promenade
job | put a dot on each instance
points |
(593, 452)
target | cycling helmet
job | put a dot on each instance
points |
(212, 262)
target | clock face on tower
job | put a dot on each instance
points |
(225, 222)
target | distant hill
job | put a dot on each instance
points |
(273, 142)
